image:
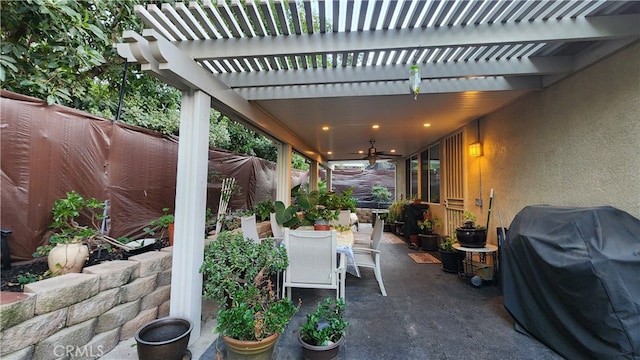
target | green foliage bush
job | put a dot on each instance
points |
(326, 325)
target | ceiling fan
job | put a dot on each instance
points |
(373, 154)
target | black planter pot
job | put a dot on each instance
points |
(429, 242)
(165, 338)
(329, 352)
(471, 237)
(451, 261)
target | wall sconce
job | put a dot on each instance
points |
(475, 149)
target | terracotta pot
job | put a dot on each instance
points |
(170, 230)
(329, 352)
(254, 350)
(67, 258)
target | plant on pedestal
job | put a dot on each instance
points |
(471, 235)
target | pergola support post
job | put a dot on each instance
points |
(313, 175)
(283, 173)
(191, 195)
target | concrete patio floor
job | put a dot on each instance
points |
(428, 314)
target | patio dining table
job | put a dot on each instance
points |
(345, 241)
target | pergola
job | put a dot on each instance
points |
(316, 76)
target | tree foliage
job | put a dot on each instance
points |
(55, 49)
(62, 51)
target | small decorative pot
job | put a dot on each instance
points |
(67, 258)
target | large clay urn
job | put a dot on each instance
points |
(67, 258)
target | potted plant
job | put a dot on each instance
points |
(396, 216)
(450, 257)
(69, 247)
(324, 330)
(470, 235)
(307, 210)
(237, 274)
(342, 201)
(163, 224)
(429, 240)
(263, 210)
(381, 195)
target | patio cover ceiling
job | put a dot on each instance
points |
(289, 68)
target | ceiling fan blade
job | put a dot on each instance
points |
(383, 154)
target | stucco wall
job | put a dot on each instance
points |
(577, 143)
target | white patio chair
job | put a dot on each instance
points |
(249, 228)
(276, 229)
(313, 261)
(377, 231)
(369, 257)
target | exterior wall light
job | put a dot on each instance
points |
(475, 149)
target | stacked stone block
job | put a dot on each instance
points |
(84, 316)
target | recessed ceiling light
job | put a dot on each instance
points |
(329, 152)
(392, 150)
(426, 125)
(325, 128)
(360, 151)
(376, 126)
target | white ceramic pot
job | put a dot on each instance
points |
(67, 258)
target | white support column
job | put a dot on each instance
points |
(329, 179)
(313, 175)
(283, 174)
(191, 194)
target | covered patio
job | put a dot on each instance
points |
(537, 84)
(428, 314)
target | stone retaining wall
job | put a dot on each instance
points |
(84, 316)
(364, 215)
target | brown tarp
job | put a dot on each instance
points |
(47, 151)
(362, 181)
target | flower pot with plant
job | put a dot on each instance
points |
(381, 196)
(429, 239)
(450, 257)
(237, 274)
(162, 226)
(70, 245)
(396, 216)
(324, 330)
(471, 235)
(263, 210)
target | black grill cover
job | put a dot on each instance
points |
(572, 280)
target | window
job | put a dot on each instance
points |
(430, 171)
(412, 177)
